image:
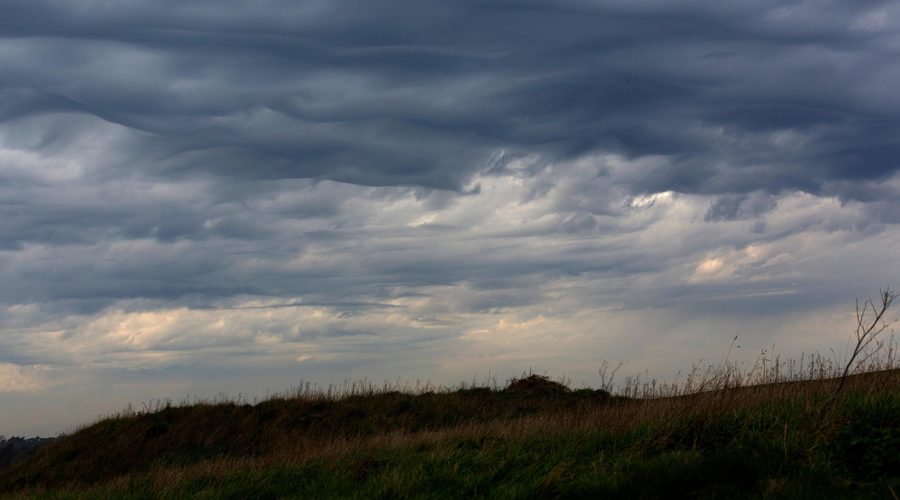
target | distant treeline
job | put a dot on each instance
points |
(15, 449)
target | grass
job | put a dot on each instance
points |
(771, 430)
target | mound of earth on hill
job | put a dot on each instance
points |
(536, 384)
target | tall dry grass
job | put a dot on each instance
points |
(309, 424)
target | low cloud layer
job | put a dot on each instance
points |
(216, 197)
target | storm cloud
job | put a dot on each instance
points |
(346, 188)
(736, 98)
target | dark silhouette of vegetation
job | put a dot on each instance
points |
(16, 449)
(536, 384)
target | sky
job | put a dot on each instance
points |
(227, 199)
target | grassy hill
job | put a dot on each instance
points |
(713, 436)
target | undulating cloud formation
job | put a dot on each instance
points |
(205, 197)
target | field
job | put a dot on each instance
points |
(717, 434)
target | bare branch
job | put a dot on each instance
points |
(866, 333)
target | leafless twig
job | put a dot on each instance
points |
(866, 332)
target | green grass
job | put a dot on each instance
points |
(755, 442)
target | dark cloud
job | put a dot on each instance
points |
(426, 94)
(740, 206)
(725, 208)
